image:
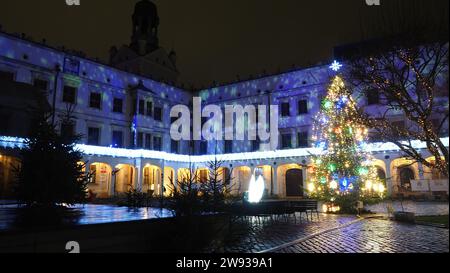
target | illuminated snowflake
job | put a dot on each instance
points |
(335, 66)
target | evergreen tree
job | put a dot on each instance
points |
(51, 172)
(343, 173)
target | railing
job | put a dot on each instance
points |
(429, 185)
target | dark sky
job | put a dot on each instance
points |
(214, 39)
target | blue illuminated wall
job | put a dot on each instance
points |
(29, 61)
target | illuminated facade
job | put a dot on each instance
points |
(125, 122)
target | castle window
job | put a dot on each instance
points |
(141, 107)
(228, 146)
(69, 94)
(285, 109)
(302, 139)
(117, 105)
(303, 107)
(157, 143)
(203, 147)
(158, 113)
(149, 108)
(174, 147)
(140, 140)
(93, 136)
(286, 141)
(148, 141)
(117, 139)
(95, 100)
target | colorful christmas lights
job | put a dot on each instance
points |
(343, 162)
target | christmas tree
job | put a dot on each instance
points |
(343, 172)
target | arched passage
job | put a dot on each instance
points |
(294, 183)
(241, 179)
(290, 179)
(100, 183)
(405, 174)
(184, 174)
(124, 178)
(150, 179)
(225, 176)
(381, 174)
(403, 170)
(7, 166)
(202, 175)
(169, 181)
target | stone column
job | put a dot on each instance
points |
(305, 178)
(274, 180)
(112, 189)
(175, 179)
(389, 181)
(139, 174)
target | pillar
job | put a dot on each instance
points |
(274, 180)
(304, 167)
(175, 179)
(112, 189)
(389, 182)
(139, 174)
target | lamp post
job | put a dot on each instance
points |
(55, 88)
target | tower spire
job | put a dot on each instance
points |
(145, 20)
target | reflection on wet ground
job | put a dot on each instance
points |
(90, 214)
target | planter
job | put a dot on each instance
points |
(408, 217)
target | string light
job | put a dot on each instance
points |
(346, 155)
(20, 143)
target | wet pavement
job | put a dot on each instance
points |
(335, 234)
(376, 236)
(91, 214)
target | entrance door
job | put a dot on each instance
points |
(294, 183)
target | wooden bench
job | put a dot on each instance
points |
(305, 206)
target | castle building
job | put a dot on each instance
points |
(122, 111)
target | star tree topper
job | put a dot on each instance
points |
(335, 66)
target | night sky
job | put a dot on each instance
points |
(214, 39)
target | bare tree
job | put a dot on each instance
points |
(408, 69)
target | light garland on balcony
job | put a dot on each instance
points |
(20, 143)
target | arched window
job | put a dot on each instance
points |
(406, 174)
(381, 174)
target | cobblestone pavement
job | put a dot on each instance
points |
(376, 236)
(255, 235)
(366, 236)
